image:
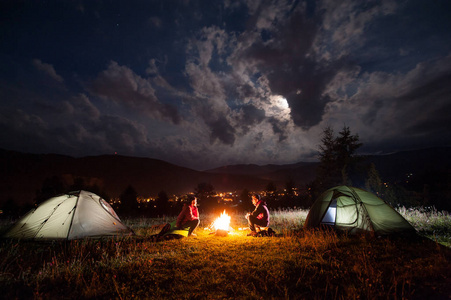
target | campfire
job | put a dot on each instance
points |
(221, 225)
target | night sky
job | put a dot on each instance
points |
(209, 83)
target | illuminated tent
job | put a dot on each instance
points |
(70, 216)
(355, 210)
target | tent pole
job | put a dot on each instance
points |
(73, 214)
(367, 219)
(45, 221)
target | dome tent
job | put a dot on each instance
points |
(70, 216)
(355, 210)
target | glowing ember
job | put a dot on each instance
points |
(222, 223)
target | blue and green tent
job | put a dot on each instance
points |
(355, 210)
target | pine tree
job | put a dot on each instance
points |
(374, 182)
(129, 202)
(337, 158)
(204, 192)
(162, 203)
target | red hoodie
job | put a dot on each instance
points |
(189, 213)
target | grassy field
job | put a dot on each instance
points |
(296, 264)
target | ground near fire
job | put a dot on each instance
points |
(294, 264)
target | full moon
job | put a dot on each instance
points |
(281, 102)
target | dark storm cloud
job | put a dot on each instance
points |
(19, 130)
(84, 106)
(209, 90)
(48, 69)
(204, 83)
(436, 89)
(68, 126)
(278, 128)
(121, 85)
(290, 66)
(251, 115)
(401, 110)
(121, 134)
(222, 130)
(432, 100)
(245, 90)
(100, 132)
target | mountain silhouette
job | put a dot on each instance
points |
(22, 175)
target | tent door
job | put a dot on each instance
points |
(331, 213)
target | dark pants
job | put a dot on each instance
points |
(192, 225)
(254, 221)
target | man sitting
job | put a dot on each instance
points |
(260, 215)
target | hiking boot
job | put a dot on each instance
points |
(271, 232)
(165, 229)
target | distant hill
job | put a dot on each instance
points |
(22, 174)
(392, 167)
(398, 166)
(300, 173)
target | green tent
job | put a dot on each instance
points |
(355, 210)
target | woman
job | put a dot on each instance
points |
(189, 216)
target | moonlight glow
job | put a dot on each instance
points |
(279, 108)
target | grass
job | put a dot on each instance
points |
(296, 264)
(429, 222)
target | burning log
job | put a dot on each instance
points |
(221, 232)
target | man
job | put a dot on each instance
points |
(260, 215)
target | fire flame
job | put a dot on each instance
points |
(222, 222)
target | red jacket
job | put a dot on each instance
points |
(261, 212)
(188, 213)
